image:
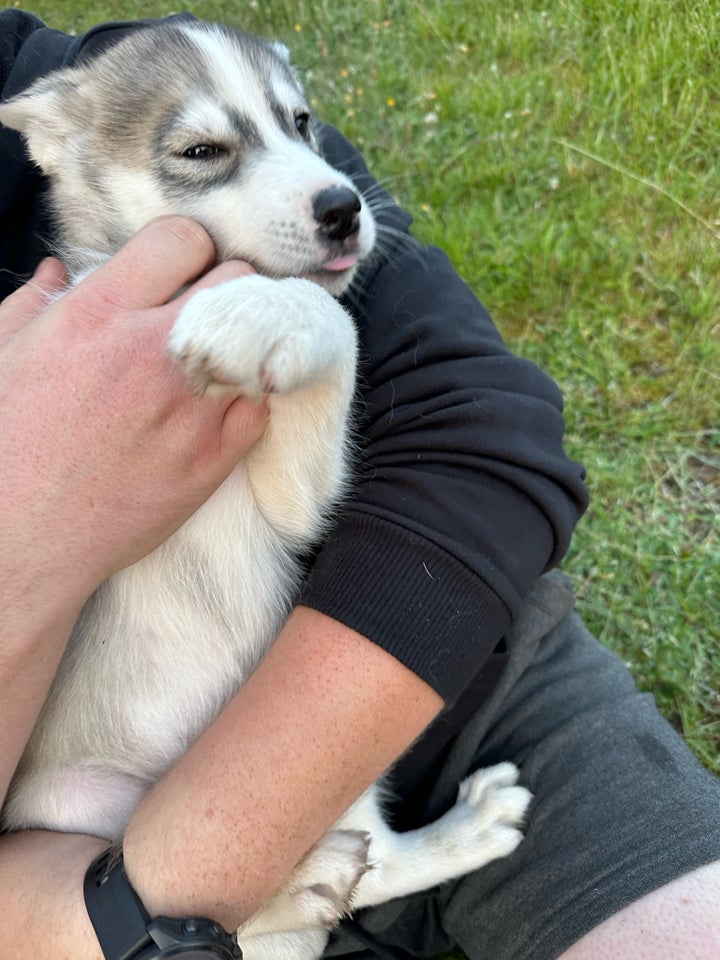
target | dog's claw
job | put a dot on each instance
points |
(327, 878)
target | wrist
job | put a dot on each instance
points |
(126, 930)
(32, 644)
(37, 598)
(170, 876)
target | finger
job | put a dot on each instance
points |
(229, 270)
(27, 303)
(163, 318)
(159, 260)
(244, 423)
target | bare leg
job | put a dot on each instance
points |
(679, 920)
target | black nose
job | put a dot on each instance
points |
(337, 211)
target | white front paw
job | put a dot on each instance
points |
(261, 335)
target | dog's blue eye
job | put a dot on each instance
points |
(201, 151)
(302, 123)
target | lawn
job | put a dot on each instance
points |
(567, 156)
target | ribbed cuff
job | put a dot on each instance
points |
(410, 597)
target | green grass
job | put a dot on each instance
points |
(567, 157)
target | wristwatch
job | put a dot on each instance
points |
(126, 931)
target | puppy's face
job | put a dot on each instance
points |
(200, 121)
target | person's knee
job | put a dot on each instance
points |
(680, 919)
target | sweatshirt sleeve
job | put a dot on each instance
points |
(27, 50)
(464, 495)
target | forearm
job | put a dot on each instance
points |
(325, 714)
(43, 913)
(33, 641)
(74, 459)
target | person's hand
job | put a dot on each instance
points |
(105, 449)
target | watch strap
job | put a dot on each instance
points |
(117, 914)
(126, 931)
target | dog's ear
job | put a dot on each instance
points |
(46, 115)
(283, 53)
(280, 50)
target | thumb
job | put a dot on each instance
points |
(26, 304)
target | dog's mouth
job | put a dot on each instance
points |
(335, 276)
(341, 264)
(330, 268)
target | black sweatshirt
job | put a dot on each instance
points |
(464, 495)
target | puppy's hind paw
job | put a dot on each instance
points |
(325, 881)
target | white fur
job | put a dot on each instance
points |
(163, 645)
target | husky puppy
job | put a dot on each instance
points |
(199, 120)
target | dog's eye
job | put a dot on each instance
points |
(202, 151)
(302, 124)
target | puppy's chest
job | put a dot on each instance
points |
(184, 628)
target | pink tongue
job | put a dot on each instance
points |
(341, 263)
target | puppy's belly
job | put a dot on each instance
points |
(84, 798)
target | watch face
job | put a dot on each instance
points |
(191, 938)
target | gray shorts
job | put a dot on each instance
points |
(621, 805)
